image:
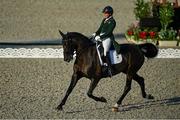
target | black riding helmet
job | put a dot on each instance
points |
(108, 9)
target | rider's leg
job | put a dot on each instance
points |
(106, 45)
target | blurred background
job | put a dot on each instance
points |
(31, 20)
(39, 20)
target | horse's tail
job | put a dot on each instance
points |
(149, 50)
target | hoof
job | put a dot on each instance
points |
(59, 108)
(102, 99)
(150, 97)
(115, 109)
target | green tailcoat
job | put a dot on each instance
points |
(106, 31)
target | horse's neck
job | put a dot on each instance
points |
(88, 60)
(88, 50)
(83, 45)
(81, 49)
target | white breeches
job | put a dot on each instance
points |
(106, 45)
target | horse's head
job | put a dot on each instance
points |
(68, 48)
(74, 41)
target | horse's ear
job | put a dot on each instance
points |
(62, 34)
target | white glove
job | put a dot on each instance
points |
(97, 38)
(94, 34)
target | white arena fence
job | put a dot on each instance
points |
(58, 53)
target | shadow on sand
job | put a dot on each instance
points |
(33, 43)
(147, 104)
(43, 42)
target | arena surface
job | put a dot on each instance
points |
(32, 88)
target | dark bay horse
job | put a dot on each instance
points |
(87, 64)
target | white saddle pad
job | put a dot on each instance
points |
(114, 57)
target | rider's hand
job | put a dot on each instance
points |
(92, 37)
(94, 34)
(97, 38)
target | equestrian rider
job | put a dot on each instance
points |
(105, 32)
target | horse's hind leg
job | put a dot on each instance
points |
(93, 85)
(140, 81)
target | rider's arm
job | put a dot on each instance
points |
(99, 30)
(109, 31)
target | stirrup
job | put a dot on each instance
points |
(109, 72)
(108, 69)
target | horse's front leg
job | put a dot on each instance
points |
(73, 83)
(93, 85)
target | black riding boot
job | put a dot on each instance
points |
(107, 65)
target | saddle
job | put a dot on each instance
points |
(114, 57)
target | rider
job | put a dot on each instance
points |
(105, 32)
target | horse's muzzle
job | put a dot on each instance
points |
(68, 59)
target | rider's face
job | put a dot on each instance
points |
(106, 15)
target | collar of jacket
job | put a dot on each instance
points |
(108, 18)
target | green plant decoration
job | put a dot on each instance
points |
(168, 34)
(166, 12)
(142, 9)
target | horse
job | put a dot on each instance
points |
(87, 64)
